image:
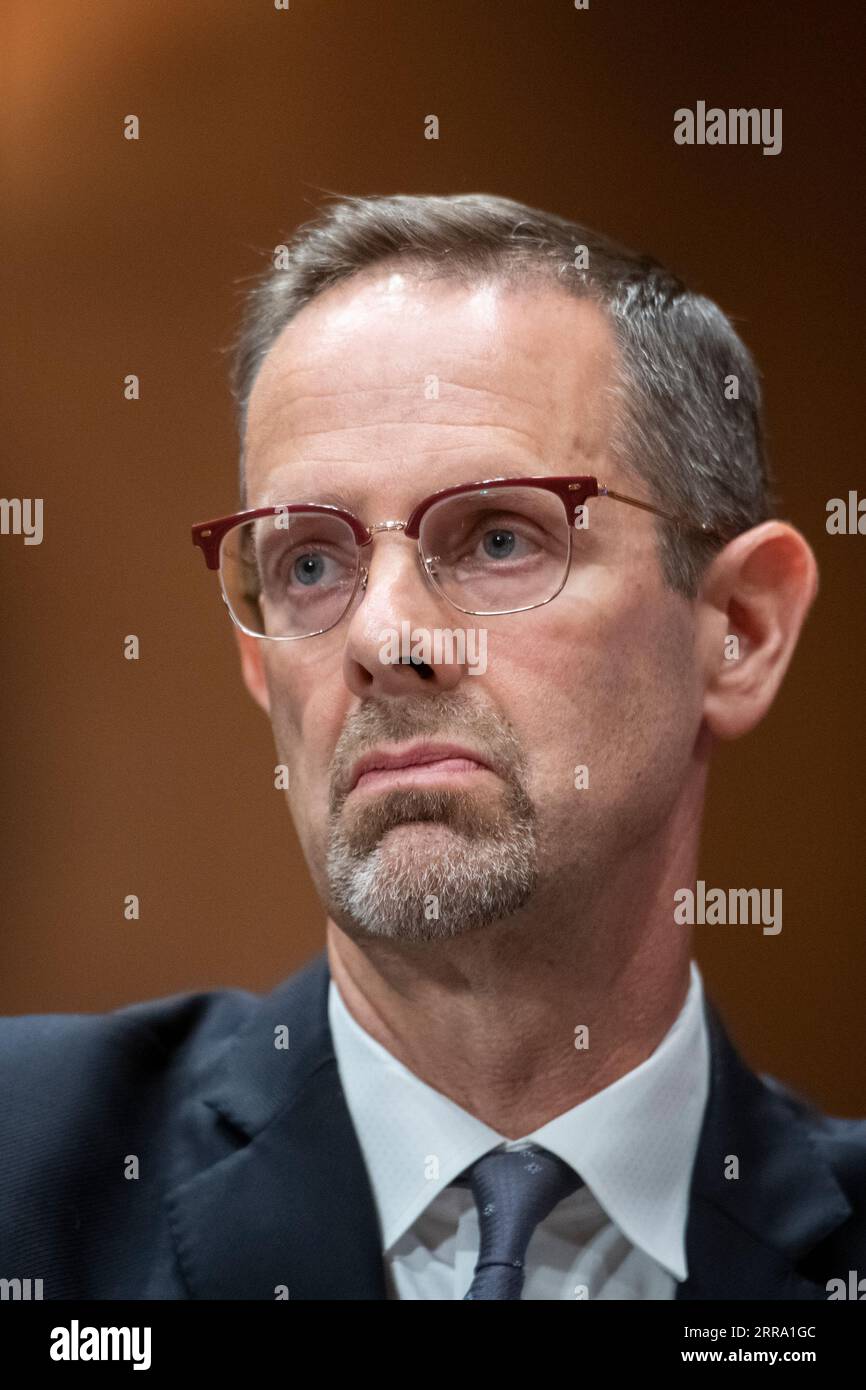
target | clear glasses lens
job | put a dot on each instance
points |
(289, 575)
(497, 550)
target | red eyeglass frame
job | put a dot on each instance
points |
(208, 535)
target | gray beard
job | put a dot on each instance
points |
(461, 866)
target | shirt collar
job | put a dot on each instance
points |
(633, 1143)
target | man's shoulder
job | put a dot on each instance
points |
(105, 1114)
(839, 1139)
(76, 1064)
(176, 1042)
(149, 1030)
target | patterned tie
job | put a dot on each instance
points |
(514, 1189)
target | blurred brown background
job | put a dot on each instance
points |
(155, 777)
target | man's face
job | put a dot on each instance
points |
(384, 390)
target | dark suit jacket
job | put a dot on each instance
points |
(250, 1176)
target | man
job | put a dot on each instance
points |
(505, 572)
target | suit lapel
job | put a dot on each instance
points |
(286, 1202)
(746, 1235)
(291, 1209)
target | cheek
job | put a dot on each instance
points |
(602, 694)
(307, 714)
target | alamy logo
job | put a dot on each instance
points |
(737, 126)
(76, 1343)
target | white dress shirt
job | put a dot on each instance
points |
(620, 1236)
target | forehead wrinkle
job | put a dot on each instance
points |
(415, 407)
(508, 455)
(287, 423)
(470, 427)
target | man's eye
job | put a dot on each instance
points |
(501, 543)
(308, 569)
(494, 542)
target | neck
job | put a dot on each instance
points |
(489, 1018)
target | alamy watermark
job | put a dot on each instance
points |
(20, 1290)
(704, 906)
(435, 646)
(737, 126)
(846, 517)
(853, 1288)
(22, 516)
(77, 1343)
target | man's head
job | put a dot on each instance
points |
(414, 344)
(687, 417)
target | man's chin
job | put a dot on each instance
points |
(421, 813)
(427, 832)
(429, 880)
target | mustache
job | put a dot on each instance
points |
(446, 716)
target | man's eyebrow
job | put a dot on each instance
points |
(282, 496)
(349, 500)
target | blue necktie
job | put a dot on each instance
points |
(514, 1189)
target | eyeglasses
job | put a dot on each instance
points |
(503, 545)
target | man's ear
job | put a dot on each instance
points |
(753, 601)
(253, 668)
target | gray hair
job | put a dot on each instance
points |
(687, 393)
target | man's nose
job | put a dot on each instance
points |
(394, 638)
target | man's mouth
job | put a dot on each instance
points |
(417, 765)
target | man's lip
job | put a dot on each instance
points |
(417, 755)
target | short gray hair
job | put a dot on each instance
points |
(688, 399)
